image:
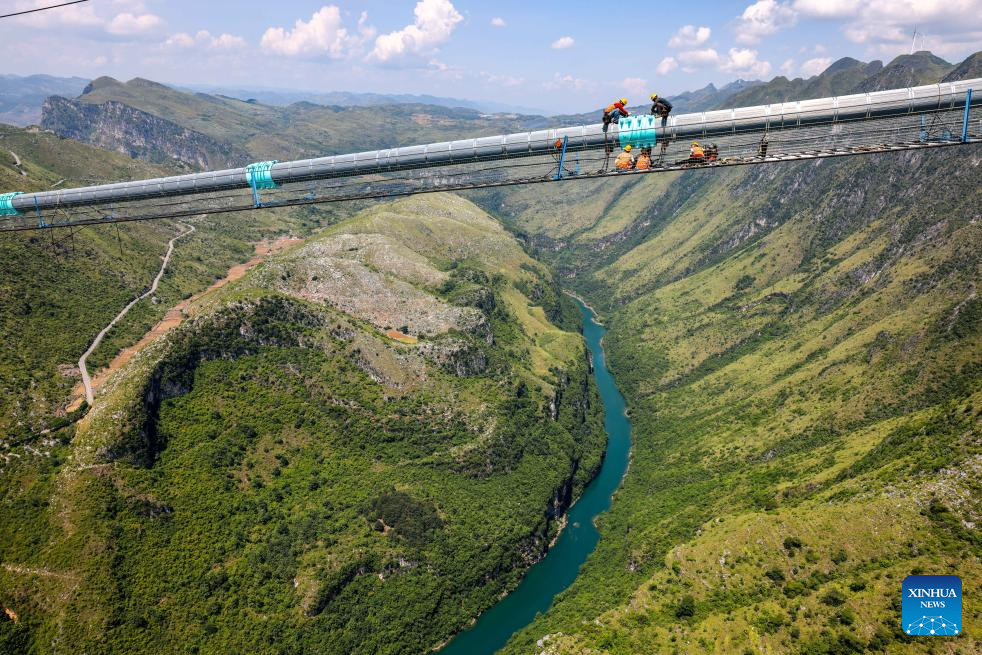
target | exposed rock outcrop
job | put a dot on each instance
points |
(119, 127)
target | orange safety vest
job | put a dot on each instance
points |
(644, 163)
(696, 152)
(624, 161)
(616, 106)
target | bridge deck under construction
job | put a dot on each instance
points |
(553, 156)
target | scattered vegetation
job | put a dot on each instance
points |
(277, 475)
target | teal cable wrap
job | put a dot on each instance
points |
(6, 203)
(637, 131)
(260, 175)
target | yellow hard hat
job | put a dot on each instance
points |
(654, 96)
(695, 143)
(623, 101)
(627, 148)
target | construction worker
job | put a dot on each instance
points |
(614, 112)
(624, 161)
(660, 107)
(644, 160)
(762, 147)
(712, 152)
(696, 154)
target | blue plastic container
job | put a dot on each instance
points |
(6, 203)
(637, 131)
(260, 175)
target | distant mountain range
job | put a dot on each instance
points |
(21, 97)
(284, 97)
(152, 121)
(708, 97)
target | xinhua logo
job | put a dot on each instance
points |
(932, 605)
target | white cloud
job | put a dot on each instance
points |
(180, 40)
(666, 65)
(83, 15)
(498, 22)
(226, 41)
(699, 58)
(135, 6)
(323, 35)
(85, 20)
(508, 81)
(827, 8)
(635, 86)
(744, 63)
(566, 82)
(205, 39)
(127, 24)
(562, 43)
(437, 68)
(763, 18)
(815, 66)
(435, 22)
(787, 68)
(953, 27)
(689, 36)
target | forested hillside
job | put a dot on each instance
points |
(360, 445)
(355, 448)
(61, 289)
(800, 347)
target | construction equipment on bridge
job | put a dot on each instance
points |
(899, 119)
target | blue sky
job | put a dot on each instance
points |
(556, 56)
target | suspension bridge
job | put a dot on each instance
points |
(931, 116)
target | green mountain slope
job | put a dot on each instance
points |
(141, 117)
(279, 475)
(61, 290)
(817, 382)
(799, 345)
(968, 69)
(840, 78)
(848, 75)
(908, 70)
(800, 349)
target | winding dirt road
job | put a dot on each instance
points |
(174, 317)
(86, 380)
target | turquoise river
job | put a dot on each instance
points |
(559, 568)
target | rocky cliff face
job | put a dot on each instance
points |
(119, 127)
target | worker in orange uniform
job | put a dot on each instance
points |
(696, 154)
(614, 112)
(644, 160)
(624, 161)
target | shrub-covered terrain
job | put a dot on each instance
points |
(800, 348)
(59, 290)
(278, 475)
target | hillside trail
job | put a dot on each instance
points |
(86, 381)
(174, 317)
(17, 163)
